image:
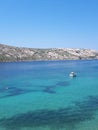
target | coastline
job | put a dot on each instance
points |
(14, 54)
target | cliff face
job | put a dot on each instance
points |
(10, 53)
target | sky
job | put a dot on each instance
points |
(49, 23)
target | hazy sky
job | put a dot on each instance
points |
(49, 23)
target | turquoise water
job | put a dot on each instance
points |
(40, 95)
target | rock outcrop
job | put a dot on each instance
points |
(10, 53)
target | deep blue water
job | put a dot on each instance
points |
(40, 95)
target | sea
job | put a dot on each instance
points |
(40, 95)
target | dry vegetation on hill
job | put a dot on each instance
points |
(10, 53)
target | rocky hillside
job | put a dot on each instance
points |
(10, 53)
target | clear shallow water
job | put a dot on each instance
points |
(41, 96)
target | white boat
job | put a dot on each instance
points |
(72, 74)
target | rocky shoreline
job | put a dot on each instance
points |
(11, 53)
